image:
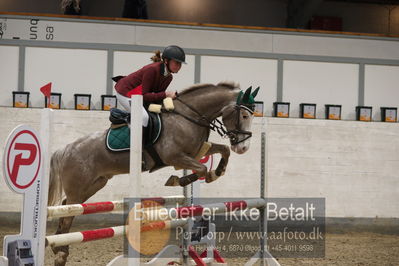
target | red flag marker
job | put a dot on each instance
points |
(46, 90)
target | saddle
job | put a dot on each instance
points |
(118, 135)
(118, 116)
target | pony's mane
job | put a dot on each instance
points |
(229, 85)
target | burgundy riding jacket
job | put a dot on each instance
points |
(152, 80)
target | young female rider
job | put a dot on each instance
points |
(152, 79)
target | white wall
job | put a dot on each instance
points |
(321, 83)
(128, 62)
(83, 70)
(204, 39)
(353, 165)
(331, 46)
(70, 70)
(245, 71)
(381, 88)
(185, 77)
(201, 38)
(9, 73)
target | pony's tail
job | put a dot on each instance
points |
(55, 184)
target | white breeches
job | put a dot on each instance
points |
(125, 102)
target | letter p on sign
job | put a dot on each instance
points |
(22, 158)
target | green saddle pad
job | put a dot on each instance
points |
(118, 139)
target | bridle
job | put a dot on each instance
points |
(217, 126)
(233, 134)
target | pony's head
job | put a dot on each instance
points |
(237, 119)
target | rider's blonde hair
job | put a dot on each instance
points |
(157, 56)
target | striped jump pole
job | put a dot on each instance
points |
(91, 235)
(84, 236)
(199, 210)
(106, 206)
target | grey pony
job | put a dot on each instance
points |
(83, 167)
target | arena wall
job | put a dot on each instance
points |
(81, 56)
(353, 165)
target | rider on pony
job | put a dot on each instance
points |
(152, 80)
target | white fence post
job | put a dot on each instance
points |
(135, 171)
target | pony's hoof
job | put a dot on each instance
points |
(211, 177)
(61, 259)
(172, 181)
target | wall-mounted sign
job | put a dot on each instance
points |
(48, 29)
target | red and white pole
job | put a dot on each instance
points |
(91, 235)
(107, 206)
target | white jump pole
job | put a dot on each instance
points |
(266, 257)
(46, 130)
(263, 255)
(136, 116)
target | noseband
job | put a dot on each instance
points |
(217, 126)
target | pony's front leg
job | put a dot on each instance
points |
(186, 162)
(221, 168)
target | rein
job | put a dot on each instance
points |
(216, 125)
(197, 122)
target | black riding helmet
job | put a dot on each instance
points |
(174, 52)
